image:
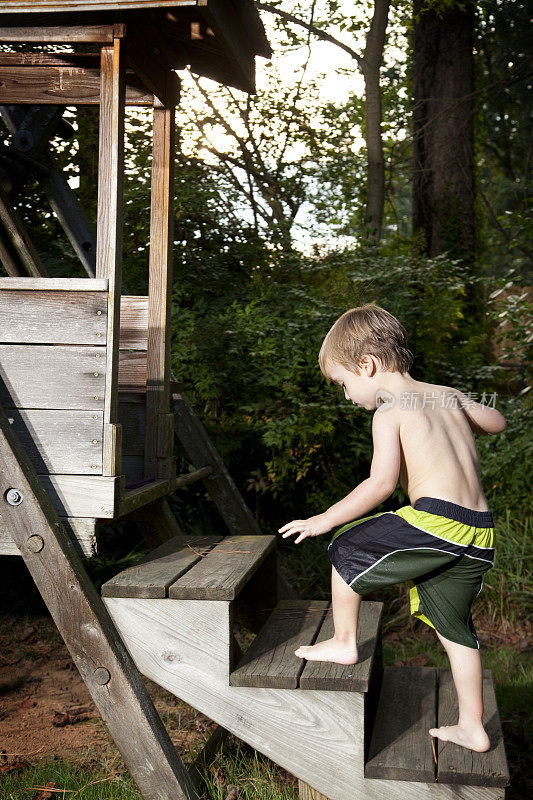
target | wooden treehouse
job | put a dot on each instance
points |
(90, 413)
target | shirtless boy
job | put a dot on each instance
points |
(443, 542)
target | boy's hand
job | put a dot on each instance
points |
(313, 526)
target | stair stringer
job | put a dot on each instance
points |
(316, 735)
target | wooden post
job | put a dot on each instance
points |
(87, 628)
(109, 232)
(160, 292)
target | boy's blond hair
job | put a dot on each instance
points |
(366, 329)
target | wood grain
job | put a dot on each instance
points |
(55, 284)
(101, 34)
(346, 677)
(60, 441)
(400, 749)
(458, 764)
(155, 574)
(224, 570)
(81, 530)
(133, 322)
(53, 317)
(83, 495)
(160, 279)
(68, 376)
(270, 660)
(184, 645)
(70, 86)
(132, 370)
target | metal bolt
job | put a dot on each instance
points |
(94, 466)
(98, 334)
(102, 676)
(35, 544)
(96, 374)
(97, 355)
(14, 497)
(96, 397)
(98, 312)
(95, 441)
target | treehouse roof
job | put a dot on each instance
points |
(218, 39)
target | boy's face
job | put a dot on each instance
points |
(360, 389)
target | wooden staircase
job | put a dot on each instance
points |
(347, 732)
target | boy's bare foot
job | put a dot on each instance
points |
(472, 738)
(330, 650)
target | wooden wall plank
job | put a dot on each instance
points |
(134, 322)
(83, 495)
(69, 86)
(55, 284)
(81, 530)
(160, 279)
(38, 6)
(60, 441)
(132, 369)
(53, 317)
(101, 34)
(52, 376)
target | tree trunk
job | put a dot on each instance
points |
(443, 168)
(371, 63)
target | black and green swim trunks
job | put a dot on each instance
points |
(443, 549)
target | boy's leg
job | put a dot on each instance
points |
(342, 648)
(467, 672)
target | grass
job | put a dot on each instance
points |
(236, 765)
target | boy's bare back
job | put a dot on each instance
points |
(439, 457)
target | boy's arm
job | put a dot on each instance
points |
(481, 418)
(384, 472)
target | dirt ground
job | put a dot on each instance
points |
(46, 709)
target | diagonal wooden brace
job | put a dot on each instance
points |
(87, 628)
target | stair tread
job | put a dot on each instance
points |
(346, 677)
(224, 570)
(270, 660)
(458, 764)
(400, 747)
(156, 571)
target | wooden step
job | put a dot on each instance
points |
(400, 747)
(224, 570)
(156, 571)
(270, 660)
(194, 568)
(457, 764)
(415, 699)
(347, 677)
